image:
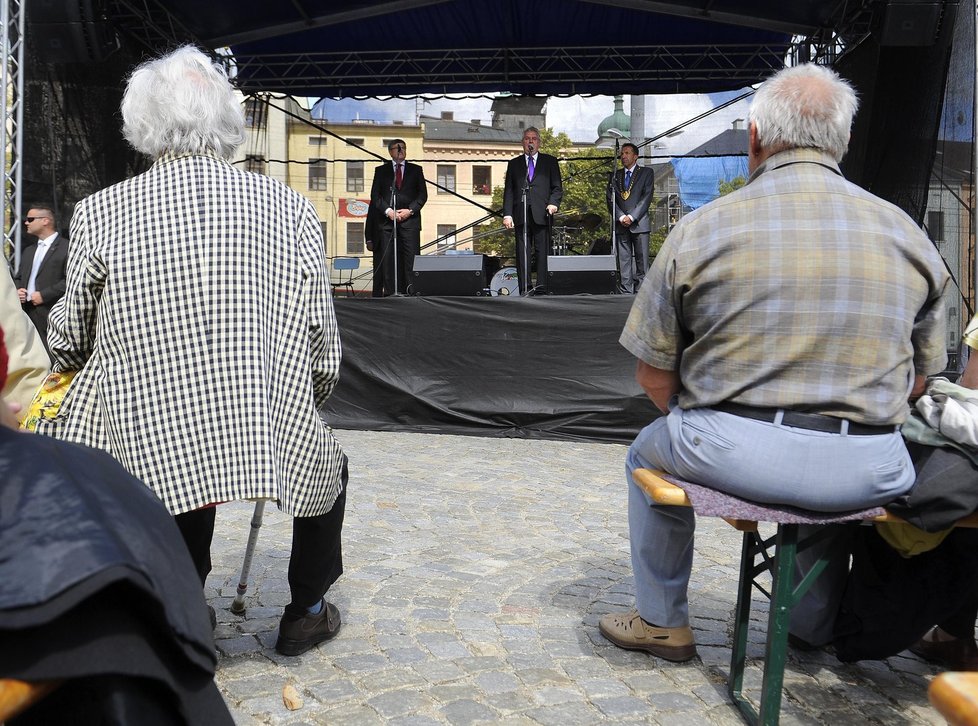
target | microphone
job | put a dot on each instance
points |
(529, 147)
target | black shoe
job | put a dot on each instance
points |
(297, 635)
(960, 654)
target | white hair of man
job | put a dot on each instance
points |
(182, 103)
(806, 106)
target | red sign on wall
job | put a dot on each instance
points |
(354, 208)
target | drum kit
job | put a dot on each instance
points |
(504, 282)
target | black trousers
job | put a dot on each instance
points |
(408, 245)
(538, 236)
(317, 555)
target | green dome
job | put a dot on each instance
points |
(618, 120)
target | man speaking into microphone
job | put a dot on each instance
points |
(538, 175)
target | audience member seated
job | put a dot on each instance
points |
(782, 329)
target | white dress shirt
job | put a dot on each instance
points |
(42, 249)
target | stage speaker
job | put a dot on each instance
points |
(572, 274)
(462, 275)
(70, 31)
(911, 22)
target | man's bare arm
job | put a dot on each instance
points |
(659, 385)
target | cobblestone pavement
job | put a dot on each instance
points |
(476, 571)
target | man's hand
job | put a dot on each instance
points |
(403, 214)
(390, 214)
(370, 245)
(626, 220)
(551, 209)
(22, 294)
(36, 298)
(508, 222)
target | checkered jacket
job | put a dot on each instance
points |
(199, 316)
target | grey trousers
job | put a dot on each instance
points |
(764, 462)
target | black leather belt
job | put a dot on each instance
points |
(799, 420)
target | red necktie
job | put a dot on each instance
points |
(398, 177)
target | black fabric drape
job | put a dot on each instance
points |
(542, 367)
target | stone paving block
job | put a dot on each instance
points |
(553, 695)
(467, 711)
(365, 663)
(399, 702)
(616, 707)
(438, 671)
(492, 682)
(674, 701)
(333, 691)
(564, 714)
(239, 645)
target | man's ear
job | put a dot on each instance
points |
(754, 144)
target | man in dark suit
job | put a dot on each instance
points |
(40, 280)
(539, 174)
(631, 188)
(398, 193)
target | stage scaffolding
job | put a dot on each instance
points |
(12, 20)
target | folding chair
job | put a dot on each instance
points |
(345, 267)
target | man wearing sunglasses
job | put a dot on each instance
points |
(41, 278)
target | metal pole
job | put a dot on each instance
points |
(12, 20)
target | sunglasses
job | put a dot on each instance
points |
(31, 219)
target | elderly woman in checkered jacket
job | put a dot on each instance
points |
(198, 316)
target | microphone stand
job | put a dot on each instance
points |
(397, 291)
(526, 231)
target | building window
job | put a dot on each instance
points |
(354, 176)
(448, 232)
(317, 175)
(318, 140)
(255, 113)
(355, 142)
(255, 164)
(446, 178)
(935, 225)
(482, 180)
(354, 238)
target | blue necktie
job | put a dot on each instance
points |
(628, 178)
(529, 168)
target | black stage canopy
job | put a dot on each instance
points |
(370, 47)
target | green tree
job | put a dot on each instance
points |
(731, 185)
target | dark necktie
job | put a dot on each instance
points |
(398, 177)
(628, 178)
(529, 168)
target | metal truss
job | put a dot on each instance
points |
(12, 20)
(491, 69)
(150, 24)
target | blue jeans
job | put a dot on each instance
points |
(765, 462)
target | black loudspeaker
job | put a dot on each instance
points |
(70, 31)
(449, 275)
(911, 22)
(572, 274)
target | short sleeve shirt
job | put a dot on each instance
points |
(799, 291)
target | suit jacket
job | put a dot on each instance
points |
(546, 188)
(639, 198)
(412, 195)
(50, 280)
(199, 317)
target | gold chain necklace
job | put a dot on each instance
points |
(620, 185)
